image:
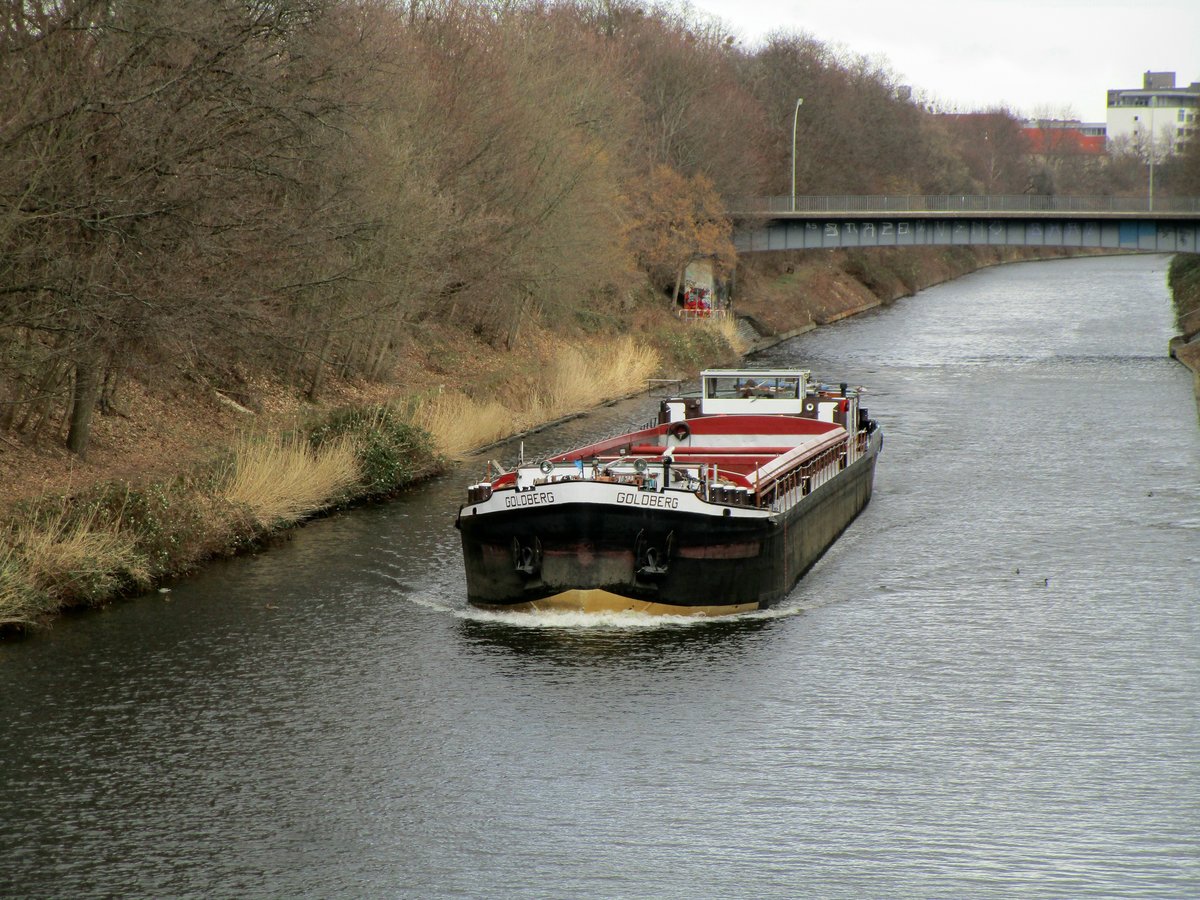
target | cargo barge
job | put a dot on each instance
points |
(717, 507)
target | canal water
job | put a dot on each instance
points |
(989, 687)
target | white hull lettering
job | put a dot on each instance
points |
(535, 499)
(658, 501)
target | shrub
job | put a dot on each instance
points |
(172, 523)
(390, 450)
(1184, 279)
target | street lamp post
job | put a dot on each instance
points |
(795, 119)
(1153, 99)
(1150, 155)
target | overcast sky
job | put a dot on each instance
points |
(1049, 56)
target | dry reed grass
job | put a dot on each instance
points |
(64, 559)
(14, 590)
(577, 378)
(459, 424)
(283, 480)
(585, 376)
(726, 329)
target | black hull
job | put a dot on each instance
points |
(602, 556)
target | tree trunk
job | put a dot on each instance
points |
(317, 381)
(8, 409)
(380, 347)
(37, 407)
(83, 403)
(678, 285)
(514, 324)
(108, 390)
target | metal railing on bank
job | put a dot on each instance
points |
(964, 203)
(719, 313)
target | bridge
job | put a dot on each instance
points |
(1163, 225)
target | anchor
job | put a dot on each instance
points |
(651, 562)
(527, 559)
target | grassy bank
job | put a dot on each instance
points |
(276, 461)
(791, 290)
(116, 537)
(1184, 280)
(120, 537)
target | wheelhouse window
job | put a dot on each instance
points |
(748, 386)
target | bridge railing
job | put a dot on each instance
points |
(966, 203)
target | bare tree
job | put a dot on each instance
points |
(153, 146)
(993, 149)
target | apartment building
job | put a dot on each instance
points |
(1157, 117)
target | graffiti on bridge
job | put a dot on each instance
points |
(793, 234)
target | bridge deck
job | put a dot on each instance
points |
(1120, 223)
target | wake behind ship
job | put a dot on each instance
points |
(718, 507)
